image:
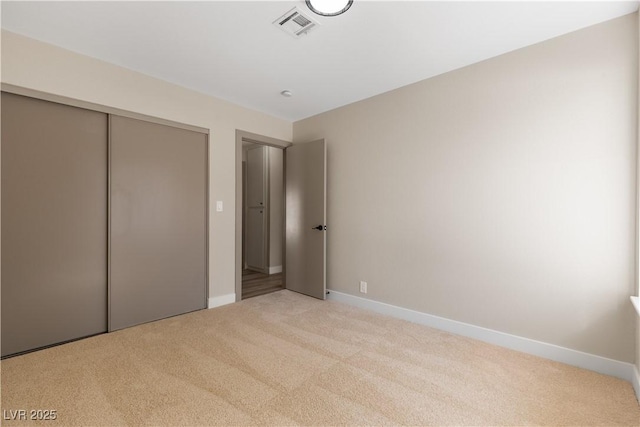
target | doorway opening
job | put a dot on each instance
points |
(304, 261)
(259, 215)
(262, 219)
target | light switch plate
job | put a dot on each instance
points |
(219, 206)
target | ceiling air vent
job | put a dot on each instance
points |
(295, 23)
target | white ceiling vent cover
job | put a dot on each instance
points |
(295, 23)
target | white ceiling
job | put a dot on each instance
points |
(232, 51)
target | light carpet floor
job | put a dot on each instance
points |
(286, 359)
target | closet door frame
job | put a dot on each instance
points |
(32, 93)
(18, 90)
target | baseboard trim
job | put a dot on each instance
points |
(636, 382)
(221, 300)
(275, 269)
(603, 365)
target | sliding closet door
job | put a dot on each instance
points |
(158, 221)
(54, 223)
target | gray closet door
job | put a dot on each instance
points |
(158, 221)
(54, 223)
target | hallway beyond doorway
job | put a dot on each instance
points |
(254, 283)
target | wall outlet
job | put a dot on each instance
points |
(363, 287)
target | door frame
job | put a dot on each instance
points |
(243, 136)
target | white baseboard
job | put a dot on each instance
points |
(603, 365)
(276, 269)
(221, 300)
(636, 382)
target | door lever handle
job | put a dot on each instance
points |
(319, 227)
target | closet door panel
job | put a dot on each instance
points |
(158, 221)
(54, 223)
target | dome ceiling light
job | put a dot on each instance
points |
(329, 7)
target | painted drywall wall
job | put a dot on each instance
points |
(276, 206)
(501, 194)
(638, 354)
(637, 279)
(35, 65)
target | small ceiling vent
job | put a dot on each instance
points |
(295, 23)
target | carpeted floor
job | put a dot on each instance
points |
(286, 359)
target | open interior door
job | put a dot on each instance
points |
(305, 222)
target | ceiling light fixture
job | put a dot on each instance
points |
(286, 93)
(329, 7)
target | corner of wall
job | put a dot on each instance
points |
(221, 300)
(636, 383)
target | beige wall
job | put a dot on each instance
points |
(502, 194)
(638, 213)
(276, 206)
(39, 66)
(638, 347)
